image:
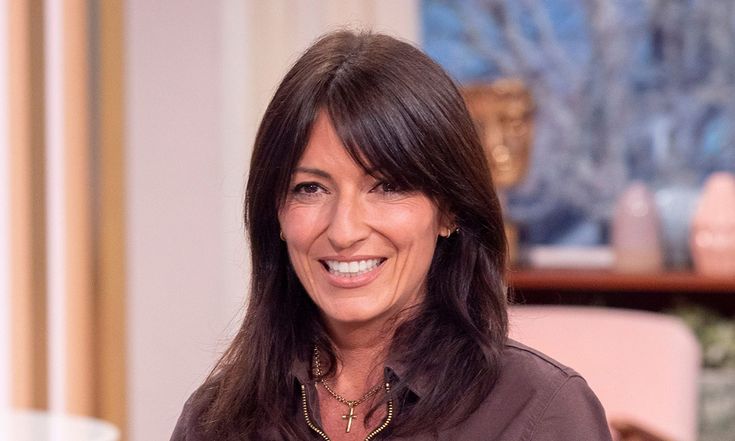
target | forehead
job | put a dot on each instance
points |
(323, 139)
(324, 125)
(325, 149)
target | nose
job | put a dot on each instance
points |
(348, 224)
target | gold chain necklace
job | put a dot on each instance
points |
(351, 404)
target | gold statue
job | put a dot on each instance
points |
(503, 114)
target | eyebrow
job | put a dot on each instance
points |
(321, 173)
(313, 171)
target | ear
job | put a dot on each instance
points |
(447, 224)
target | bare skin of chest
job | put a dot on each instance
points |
(336, 418)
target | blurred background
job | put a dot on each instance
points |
(125, 134)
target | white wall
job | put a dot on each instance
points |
(174, 206)
(198, 76)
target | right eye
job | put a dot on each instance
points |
(307, 189)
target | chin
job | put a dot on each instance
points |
(352, 317)
(353, 313)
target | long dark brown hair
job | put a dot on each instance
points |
(400, 115)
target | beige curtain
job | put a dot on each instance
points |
(25, 92)
(92, 163)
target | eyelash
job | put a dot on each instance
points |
(380, 185)
(395, 188)
(299, 188)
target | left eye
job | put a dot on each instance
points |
(387, 187)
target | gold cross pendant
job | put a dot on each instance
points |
(349, 417)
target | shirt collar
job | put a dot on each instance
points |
(394, 371)
(300, 371)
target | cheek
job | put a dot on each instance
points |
(300, 226)
(299, 233)
(414, 226)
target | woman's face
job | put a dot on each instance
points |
(360, 246)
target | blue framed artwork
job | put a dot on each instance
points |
(624, 90)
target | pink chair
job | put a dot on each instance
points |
(643, 366)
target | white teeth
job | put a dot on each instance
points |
(353, 268)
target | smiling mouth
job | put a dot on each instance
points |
(353, 268)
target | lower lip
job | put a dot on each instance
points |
(356, 281)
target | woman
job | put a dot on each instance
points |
(378, 305)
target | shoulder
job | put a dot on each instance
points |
(536, 398)
(554, 400)
(530, 381)
(188, 426)
(184, 423)
(522, 364)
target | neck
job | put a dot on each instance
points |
(361, 352)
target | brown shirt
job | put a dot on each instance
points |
(534, 399)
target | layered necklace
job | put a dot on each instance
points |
(351, 404)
